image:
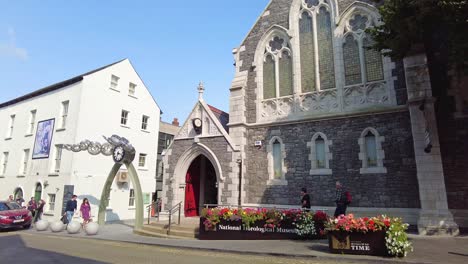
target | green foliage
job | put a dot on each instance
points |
(438, 26)
(305, 225)
(396, 239)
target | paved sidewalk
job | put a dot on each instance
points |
(426, 249)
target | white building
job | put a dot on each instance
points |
(109, 100)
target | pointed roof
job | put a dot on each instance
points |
(222, 117)
(55, 86)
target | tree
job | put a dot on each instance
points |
(440, 27)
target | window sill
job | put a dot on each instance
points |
(132, 208)
(55, 174)
(320, 172)
(8, 138)
(20, 176)
(373, 170)
(277, 182)
(114, 89)
(132, 96)
(60, 129)
(124, 126)
(49, 213)
(28, 135)
(145, 131)
(143, 169)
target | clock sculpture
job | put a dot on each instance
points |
(123, 153)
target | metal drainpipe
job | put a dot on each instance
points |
(239, 201)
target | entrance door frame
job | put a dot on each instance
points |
(183, 164)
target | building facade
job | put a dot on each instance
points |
(110, 100)
(167, 132)
(311, 105)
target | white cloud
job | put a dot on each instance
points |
(9, 48)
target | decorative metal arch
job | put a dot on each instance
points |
(107, 149)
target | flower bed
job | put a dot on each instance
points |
(262, 223)
(379, 235)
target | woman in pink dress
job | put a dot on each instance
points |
(85, 211)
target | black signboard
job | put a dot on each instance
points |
(370, 243)
(234, 230)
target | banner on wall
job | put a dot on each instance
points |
(43, 140)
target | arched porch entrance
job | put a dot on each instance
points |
(201, 186)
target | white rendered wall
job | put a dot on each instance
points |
(47, 106)
(94, 111)
(100, 116)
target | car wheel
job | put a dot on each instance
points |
(27, 226)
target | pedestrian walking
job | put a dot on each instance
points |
(342, 199)
(32, 206)
(71, 208)
(39, 211)
(305, 201)
(85, 212)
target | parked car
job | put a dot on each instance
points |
(12, 216)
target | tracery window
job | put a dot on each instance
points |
(316, 46)
(277, 69)
(361, 64)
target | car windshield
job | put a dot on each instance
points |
(13, 206)
(4, 207)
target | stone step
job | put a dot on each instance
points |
(176, 231)
(182, 227)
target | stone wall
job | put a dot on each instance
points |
(453, 134)
(219, 146)
(398, 188)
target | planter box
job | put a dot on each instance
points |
(233, 230)
(371, 243)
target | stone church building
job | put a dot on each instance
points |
(311, 105)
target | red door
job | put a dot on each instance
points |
(192, 189)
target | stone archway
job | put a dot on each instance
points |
(183, 166)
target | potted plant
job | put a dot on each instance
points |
(379, 235)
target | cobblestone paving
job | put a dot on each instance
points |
(30, 248)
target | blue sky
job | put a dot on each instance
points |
(172, 44)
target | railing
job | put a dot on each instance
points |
(176, 208)
(157, 205)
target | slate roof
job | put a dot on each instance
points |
(222, 116)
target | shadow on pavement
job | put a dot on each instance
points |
(14, 250)
(458, 254)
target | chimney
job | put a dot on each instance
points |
(175, 122)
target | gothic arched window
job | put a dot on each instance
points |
(277, 160)
(352, 64)
(277, 69)
(320, 155)
(276, 167)
(371, 153)
(361, 63)
(316, 46)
